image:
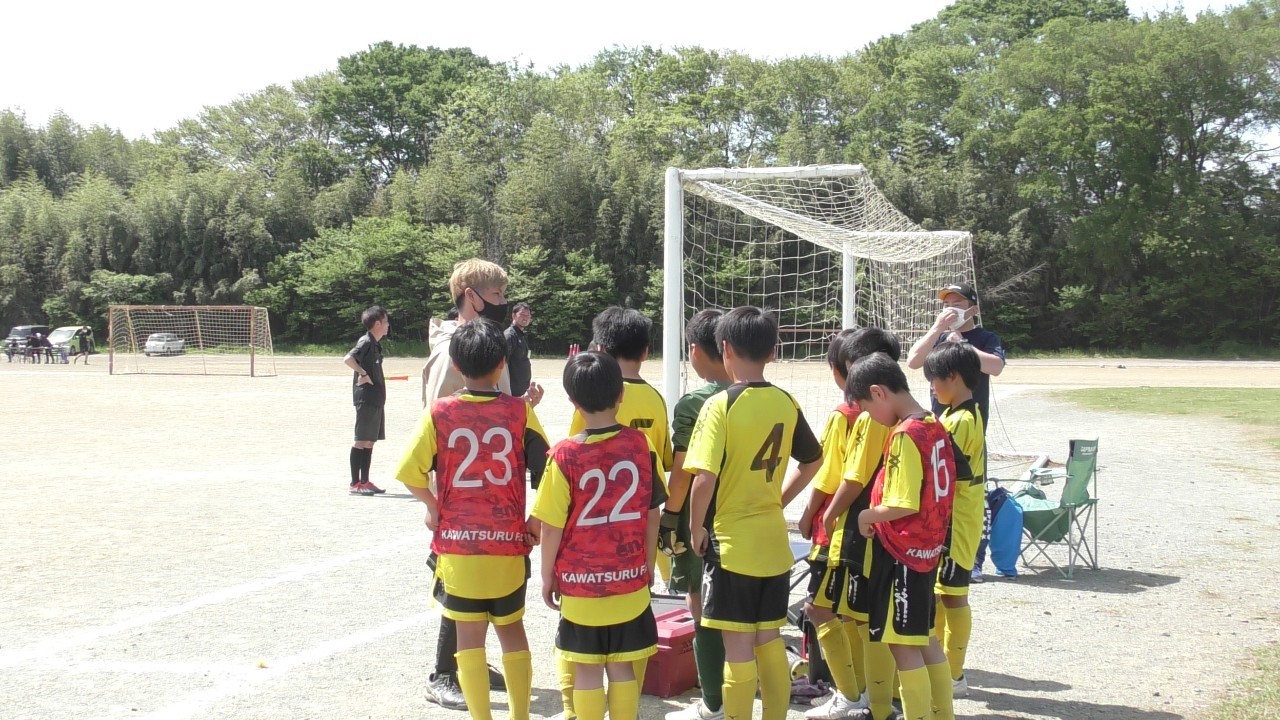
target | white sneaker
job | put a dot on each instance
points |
(837, 708)
(960, 688)
(697, 710)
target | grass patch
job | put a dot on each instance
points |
(1229, 352)
(1257, 697)
(1246, 406)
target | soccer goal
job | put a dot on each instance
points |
(190, 340)
(820, 246)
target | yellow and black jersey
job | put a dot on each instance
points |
(965, 424)
(863, 457)
(744, 436)
(644, 409)
(835, 445)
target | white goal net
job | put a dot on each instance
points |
(820, 247)
(190, 340)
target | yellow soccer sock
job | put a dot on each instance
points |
(624, 700)
(880, 669)
(740, 689)
(517, 671)
(940, 622)
(940, 691)
(959, 629)
(775, 679)
(589, 704)
(639, 667)
(856, 634)
(473, 677)
(564, 672)
(835, 650)
(917, 698)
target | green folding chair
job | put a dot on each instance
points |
(1068, 521)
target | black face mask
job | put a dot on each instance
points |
(492, 311)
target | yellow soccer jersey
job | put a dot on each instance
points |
(964, 423)
(904, 479)
(642, 408)
(866, 445)
(743, 437)
(551, 506)
(835, 444)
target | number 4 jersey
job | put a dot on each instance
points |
(476, 443)
(744, 436)
(600, 486)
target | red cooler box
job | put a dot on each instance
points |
(672, 671)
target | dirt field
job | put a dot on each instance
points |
(184, 547)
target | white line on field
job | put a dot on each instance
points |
(201, 700)
(62, 643)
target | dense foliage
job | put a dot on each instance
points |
(1111, 169)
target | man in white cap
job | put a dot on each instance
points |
(957, 323)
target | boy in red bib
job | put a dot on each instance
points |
(476, 442)
(911, 502)
(598, 505)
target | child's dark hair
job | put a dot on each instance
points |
(750, 331)
(477, 348)
(951, 358)
(701, 331)
(837, 355)
(593, 380)
(621, 332)
(875, 369)
(371, 315)
(871, 340)
(452, 314)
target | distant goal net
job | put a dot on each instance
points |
(190, 340)
(820, 247)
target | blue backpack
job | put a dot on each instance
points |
(1006, 531)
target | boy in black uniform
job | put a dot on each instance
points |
(369, 395)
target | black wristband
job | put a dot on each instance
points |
(676, 513)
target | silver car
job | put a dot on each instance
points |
(163, 344)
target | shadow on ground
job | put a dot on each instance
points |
(1106, 580)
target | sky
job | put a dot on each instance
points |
(143, 65)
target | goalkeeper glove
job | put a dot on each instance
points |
(667, 541)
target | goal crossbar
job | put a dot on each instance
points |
(190, 339)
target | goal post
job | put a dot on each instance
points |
(190, 340)
(819, 246)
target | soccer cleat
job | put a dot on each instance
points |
(976, 576)
(361, 489)
(443, 690)
(960, 688)
(697, 710)
(836, 708)
(376, 490)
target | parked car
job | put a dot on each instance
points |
(20, 333)
(163, 344)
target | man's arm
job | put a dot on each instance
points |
(992, 364)
(920, 350)
(350, 361)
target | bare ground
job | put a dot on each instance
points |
(183, 547)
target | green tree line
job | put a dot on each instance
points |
(1113, 171)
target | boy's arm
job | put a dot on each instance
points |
(704, 484)
(550, 548)
(879, 514)
(651, 539)
(816, 498)
(428, 498)
(799, 479)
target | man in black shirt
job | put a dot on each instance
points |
(518, 349)
(957, 323)
(369, 395)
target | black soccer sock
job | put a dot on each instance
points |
(365, 462)
(357, 455)
(446, 647)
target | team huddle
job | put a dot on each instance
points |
(894, 514)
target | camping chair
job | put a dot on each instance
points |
(1067, 521)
